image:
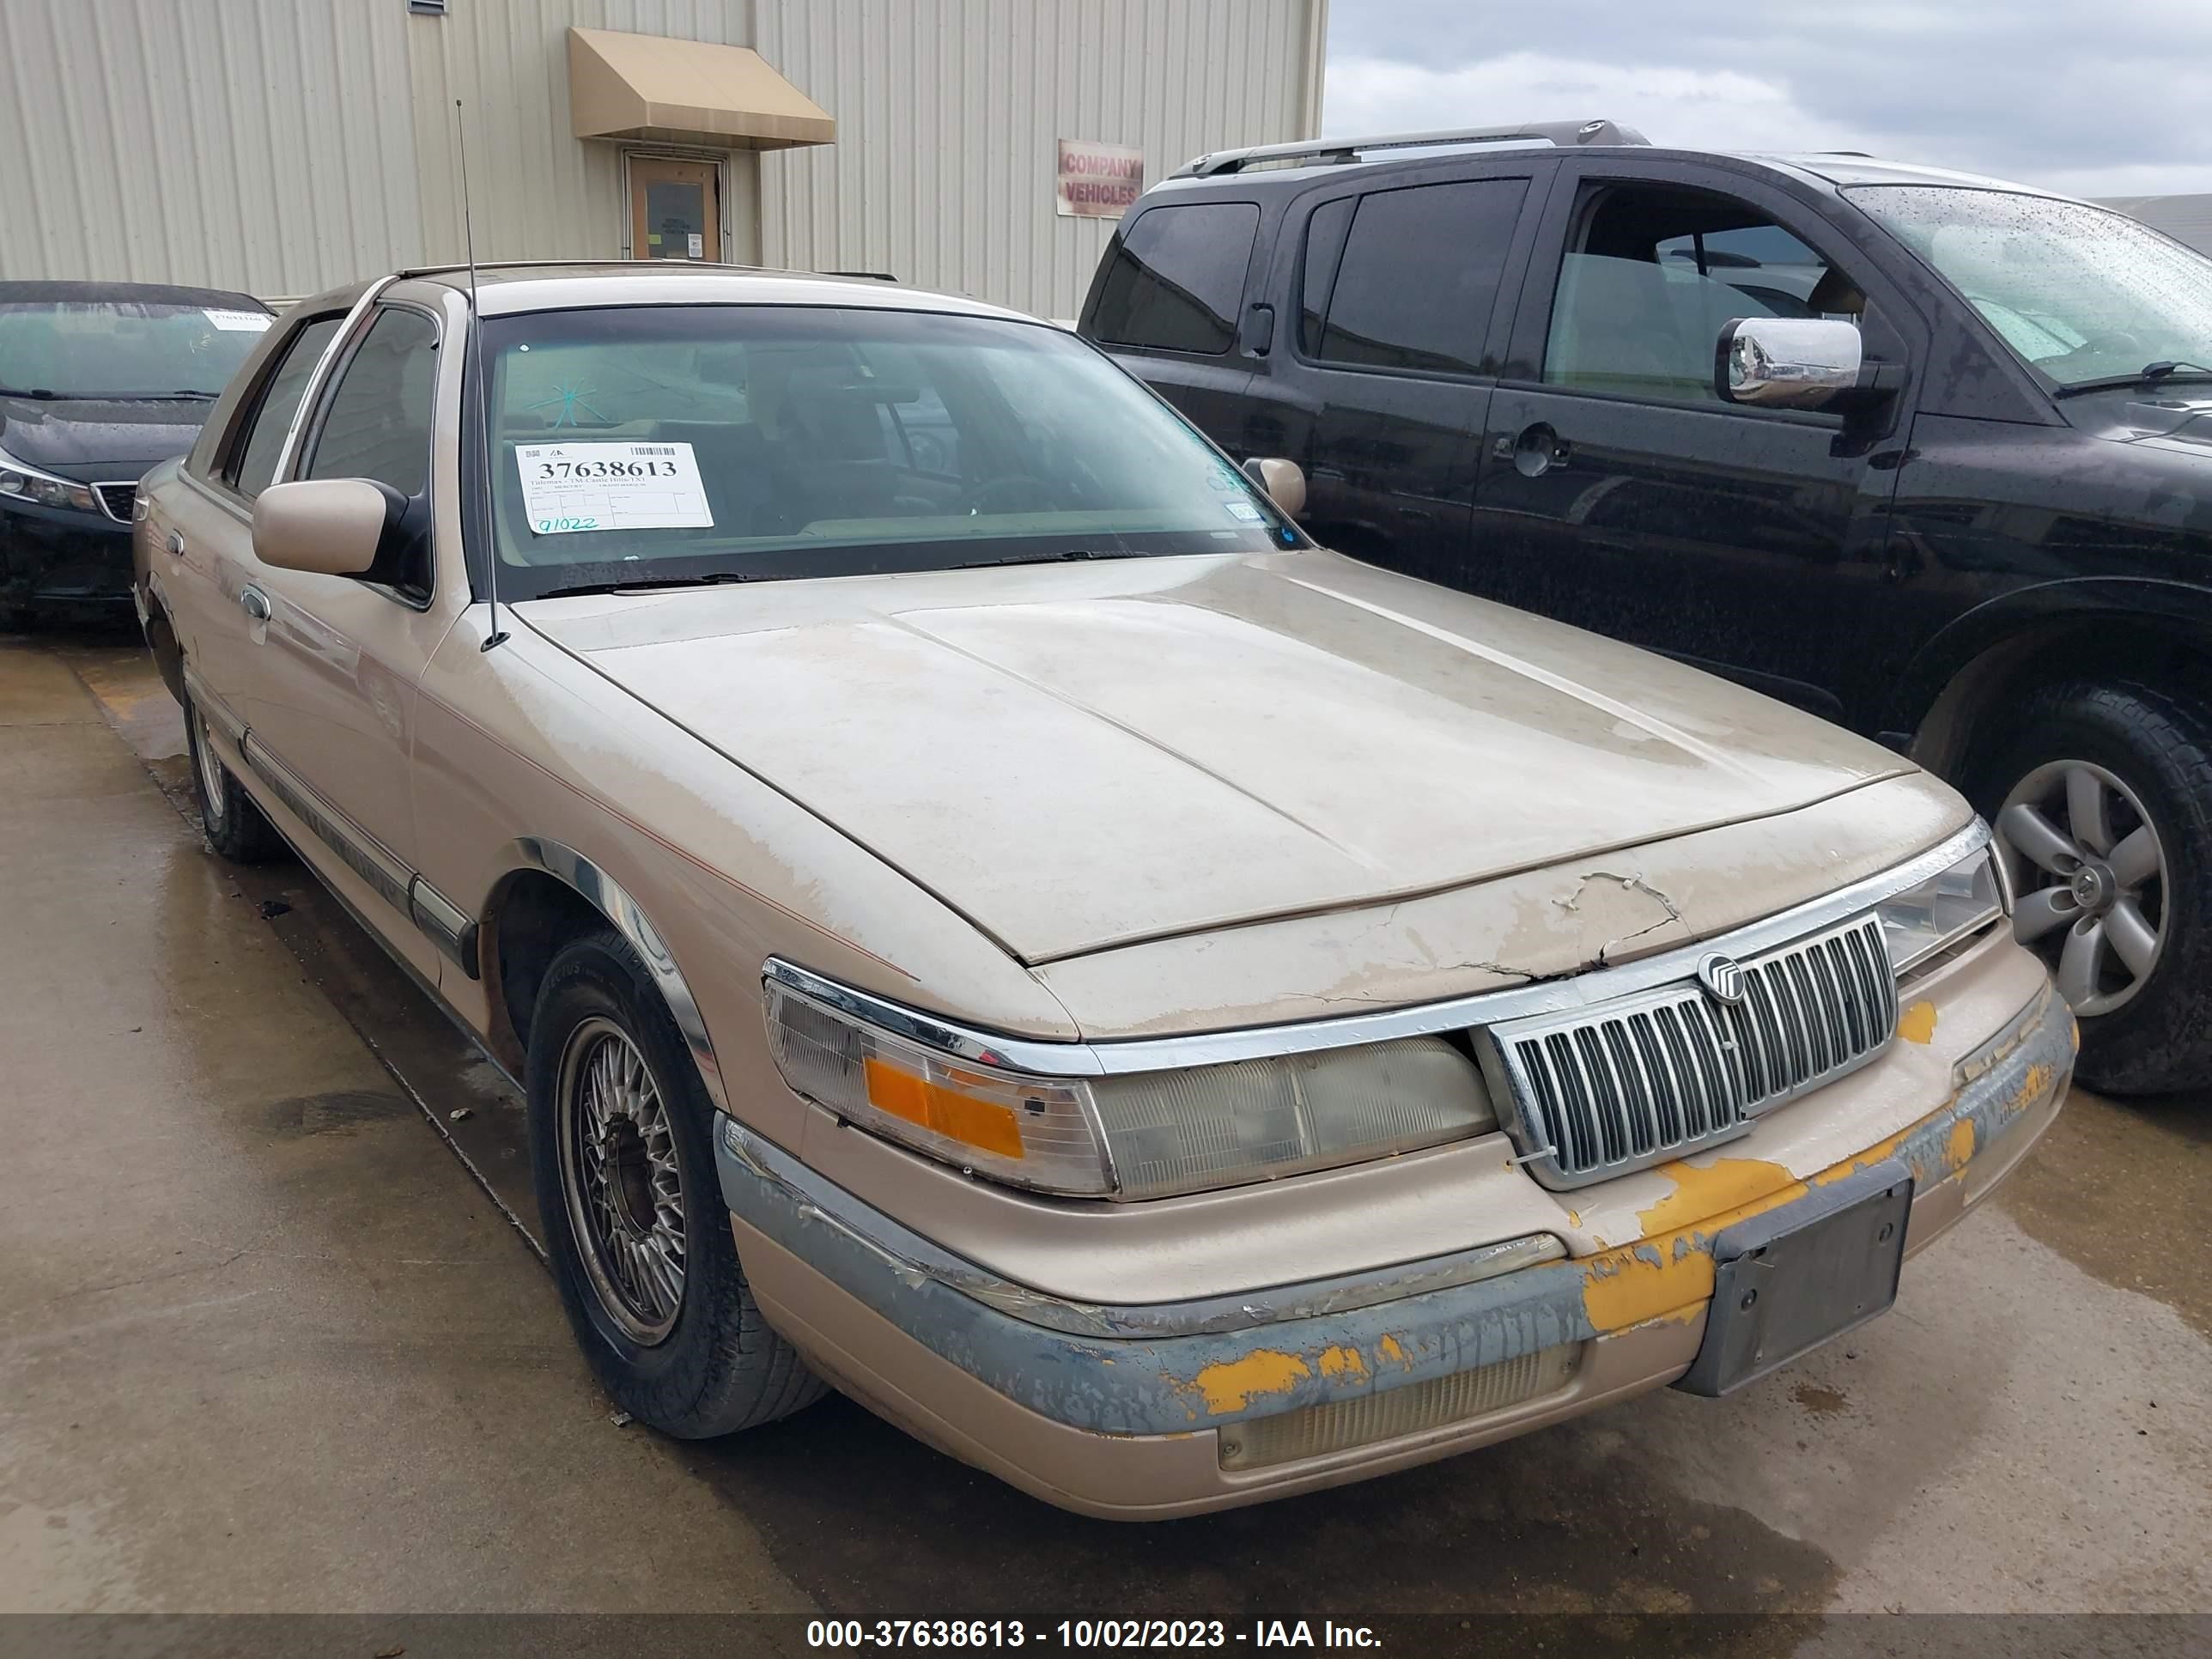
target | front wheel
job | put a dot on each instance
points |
(2102, 804)
(621, 1146)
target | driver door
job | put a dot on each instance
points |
(1619, 493)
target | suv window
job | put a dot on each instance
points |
(377, 423)
(1657, 273)
(253, 463)
(1176, 278)
(1416, 277)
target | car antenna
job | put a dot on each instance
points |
(476, 373)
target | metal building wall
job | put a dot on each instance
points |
(948, 112)
(284, 146)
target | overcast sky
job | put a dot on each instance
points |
(2091, 97)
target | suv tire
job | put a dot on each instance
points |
(622, 1151)
(2124, 757)
(235, 827)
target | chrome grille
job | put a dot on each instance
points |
(118, 498)
(1597, 1092)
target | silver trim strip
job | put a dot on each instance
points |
(214, 710)
(605, 894)
(368, 858)
(1562, 994)
(910, 1252)
(314, 390)
(445, 925)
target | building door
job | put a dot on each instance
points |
(675, 210)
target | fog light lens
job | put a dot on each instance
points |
(1342, 1425)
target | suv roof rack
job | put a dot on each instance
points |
(1343, 152)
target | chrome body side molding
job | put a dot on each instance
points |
(444, 923)
(607, 895)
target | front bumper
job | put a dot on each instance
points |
(1120, 1412)
(51, 556)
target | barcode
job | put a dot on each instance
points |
(653, 449)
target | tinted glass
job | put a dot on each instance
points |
(1656, 276)
(256, 463)
(1324, 251)
(2082, 293)
(671, 443)
(1418, 276)
(126, 349)
(1176, 278)
(377, 424)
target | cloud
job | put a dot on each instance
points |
(1705, 109)
(2096, 101)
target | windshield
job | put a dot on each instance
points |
(643, 444)
(124, 348)
(2082, 293)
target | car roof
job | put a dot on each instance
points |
(158, 294)
(504, 289)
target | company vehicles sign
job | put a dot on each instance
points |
(1097, 181)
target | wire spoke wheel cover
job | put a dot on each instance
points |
(621, 1179)
(2090, 873)
(211, 778)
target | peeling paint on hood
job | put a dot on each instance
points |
(1079, 757)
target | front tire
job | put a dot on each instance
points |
(621, 1146)
(2102, 803)
(235, 827)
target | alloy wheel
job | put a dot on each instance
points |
(2090, 874)
(622, 1179)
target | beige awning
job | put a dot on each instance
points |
(651, 87)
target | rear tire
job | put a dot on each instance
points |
(235, 827)
(621, 1149)
(2102, 800)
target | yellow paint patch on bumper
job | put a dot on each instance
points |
(1918, 1022)
(1233, 1384)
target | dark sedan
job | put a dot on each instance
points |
(99, 381)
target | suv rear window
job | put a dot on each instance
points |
(1413, 285)
(1176, 278)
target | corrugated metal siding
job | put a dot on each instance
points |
(202, 141)
(284, 146)
(948, 112)
(2185, 218)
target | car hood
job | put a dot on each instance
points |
(1079, 756)
(97, 441)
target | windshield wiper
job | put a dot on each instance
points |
(1066, 555)
(43, 393)
(2151, 374)
(653, 584)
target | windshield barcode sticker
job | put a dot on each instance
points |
(571, 487)
(239, 322)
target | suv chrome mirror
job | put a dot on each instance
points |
(331, 526)
(1284, 482)
(1786, 363)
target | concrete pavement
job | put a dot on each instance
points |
(264, 1344)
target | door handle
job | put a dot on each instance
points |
(176, 544)
(1537, 451)
(256, 604)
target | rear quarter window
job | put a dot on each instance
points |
(1176, 278)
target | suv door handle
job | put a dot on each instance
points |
(256, 603)
(176, 544)
(1535, 452)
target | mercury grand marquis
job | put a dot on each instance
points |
(988, 914)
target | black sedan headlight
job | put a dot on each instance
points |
(27, 484)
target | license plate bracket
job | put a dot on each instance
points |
(1786, 1282)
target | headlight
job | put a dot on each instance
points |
(1146, 1134)
(27, 484)
(1922, 921)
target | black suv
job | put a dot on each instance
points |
(1950, 483)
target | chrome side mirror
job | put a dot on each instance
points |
(1283, 481)
(1787, 362)
(331, 526)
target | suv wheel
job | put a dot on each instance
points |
(2102, 803)
(234, 826)
(621, 1149)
